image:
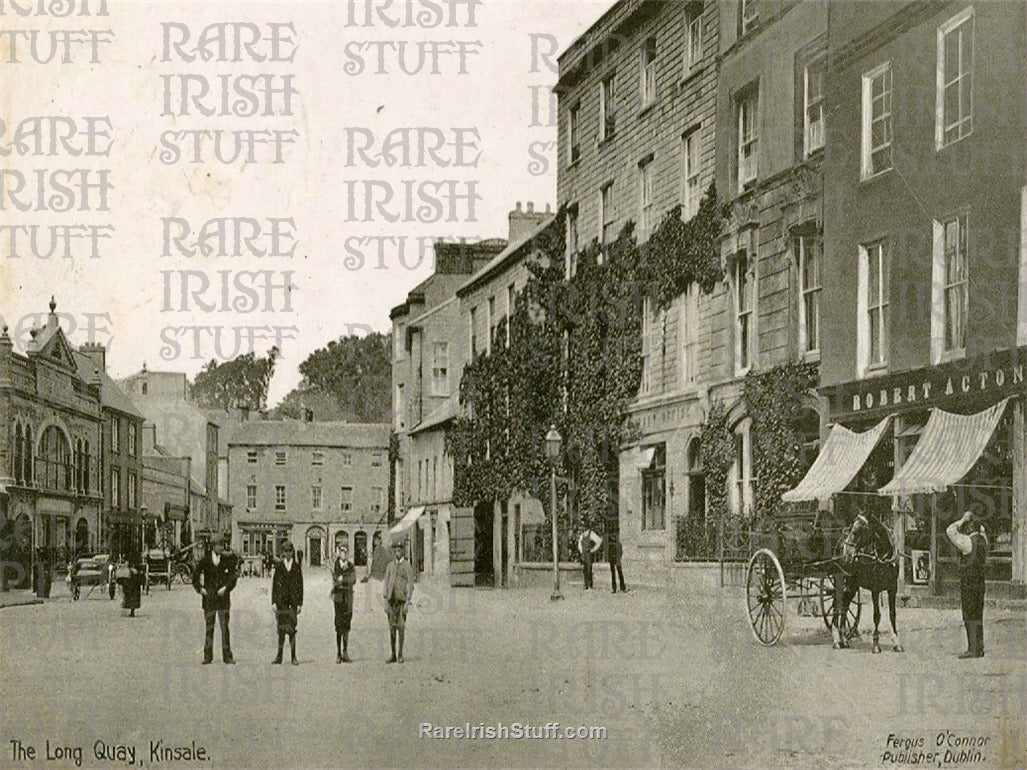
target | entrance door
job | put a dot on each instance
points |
(315, 552)
(504, 548)
(484, 570)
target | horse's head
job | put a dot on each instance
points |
(868, 537)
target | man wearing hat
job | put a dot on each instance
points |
(399, 587)
(214, 578)
(968, 536)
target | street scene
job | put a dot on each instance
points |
(509, 383)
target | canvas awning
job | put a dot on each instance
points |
(840, 459)
(948, 448)
(645, 456)
(399, 529)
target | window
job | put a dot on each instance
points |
(573, 132)
(401, 407)
(749, 15)
(279, 497)
(653, 488)
(434, 477)
(648, 78)
(144, 389)
(872, 327)
(606, 215)
(490, 323)
(85, 468)
(744, 280)
(132, 489)
(809, 253)
(440, 369)
(572, 239)
(648, 322)
(317, 458)
(877, 125)
(346, 499)
(689, 335)
(251, 497)
(315, 497)
(133, 438)
(398, 343)
(473, 322)
(347, 460)
(748, 138)
(116, 489)
(511, 299)
(607, 109)
(954, 100)
(813, 104)
(645, 199)
(690, 192)
(949, 288)
(280, 457)
(376, 459)
(251, 456)
(741, 470)
(693, 39)
(55, 461)
(115, 435)
(376, 496)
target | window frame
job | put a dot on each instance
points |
(693, 38)
(345, 500)
(818, 61)
(251, 456)
(648, 58)
(807, 293)
(743, 287)
(316, 497)
(646, 204)
(747, 144)
(251, 497)
(942, 348)
(741, 495)
(281, 457)
(606, 213)
(574, 134)
(689, 337)
(691, 184)
(748, 16)
(317, 457)
(654, 491)
(608, 107)
(440, 368)
(954, 25)
(867, 150)
(864, 339)
(280, 498)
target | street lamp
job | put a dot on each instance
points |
(553, 442)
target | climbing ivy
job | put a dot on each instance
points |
(776, 400)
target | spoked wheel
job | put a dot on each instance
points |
(765, 597)
(184, 575)
(851, 627)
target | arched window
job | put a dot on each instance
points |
(85, 468)
(78, 465)
(27, 453)
(144, 388)
(19, 450)
(55, 460)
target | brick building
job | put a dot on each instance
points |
(315, 483)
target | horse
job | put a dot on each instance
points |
(868, 560)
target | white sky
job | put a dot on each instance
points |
(329, 300)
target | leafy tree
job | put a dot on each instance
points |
(241, 382)
(356, 371)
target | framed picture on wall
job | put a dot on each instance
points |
(921, 568)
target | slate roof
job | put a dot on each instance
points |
(299, 433)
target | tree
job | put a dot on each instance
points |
(240, 382)
(355, 371)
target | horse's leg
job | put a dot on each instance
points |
(876, 594)
(839, 612)
(843, 621)
(895, 643)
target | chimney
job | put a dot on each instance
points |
(524, 221)
(96, 353)
(149, 438)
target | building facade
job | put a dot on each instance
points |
(317, 484)
(50, 462)
(925, 273)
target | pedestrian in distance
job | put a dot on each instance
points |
(287, 599)
(588, 544)
(399, 588)
(968, 536)
(380, 558)
(613, 556)
(344, 577)
(132, 584)
(214, 579)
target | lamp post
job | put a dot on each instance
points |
(553, 443)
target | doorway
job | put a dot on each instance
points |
(484, 568)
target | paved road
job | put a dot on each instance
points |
(675, 678)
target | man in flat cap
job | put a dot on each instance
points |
(399, 587)
(214, 578)
(968, 536)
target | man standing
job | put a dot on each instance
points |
(613, 554)
(968, 536)
(399, 587)
(344, 575)
(287, 598)
(588, 544)
(214, 578)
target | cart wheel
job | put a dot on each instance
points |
(827, 603)
(75, 593)
(765, 595)
(184, 575)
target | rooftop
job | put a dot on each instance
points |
(318, 434)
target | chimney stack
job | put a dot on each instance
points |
(524, 221)
(97, 354)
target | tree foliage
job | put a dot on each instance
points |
(241, 382)
(353, 371)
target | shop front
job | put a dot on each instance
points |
(955, 440)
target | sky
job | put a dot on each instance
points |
(308, 101)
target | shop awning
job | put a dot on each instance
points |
(409, 519)
(948, 448)
(645, 456)
(840, 459)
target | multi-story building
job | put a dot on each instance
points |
(925, 274)
(427, 362)
(317, 484)
(166, 491)
(50, 464)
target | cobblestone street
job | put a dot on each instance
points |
(676, 680)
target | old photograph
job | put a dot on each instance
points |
(513, 384)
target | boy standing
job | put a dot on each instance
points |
(399, 587)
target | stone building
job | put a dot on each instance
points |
(314, 483)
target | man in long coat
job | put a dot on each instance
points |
(287, 598)
(214, 579)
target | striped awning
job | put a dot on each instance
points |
(840, 459)
(946, 451)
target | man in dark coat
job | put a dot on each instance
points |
(968, 536)
(287, 598)
(214, 578)
(613, 555)
(344, 576)
(588, 545)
